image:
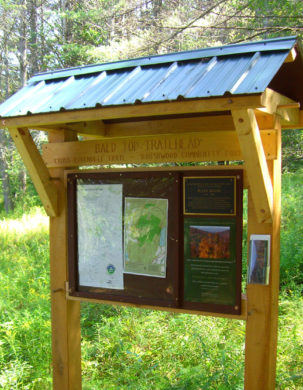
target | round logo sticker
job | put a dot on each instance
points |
(111, 269)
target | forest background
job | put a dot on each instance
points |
(125, 348)
(44, 35)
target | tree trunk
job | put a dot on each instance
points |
(8, 204)
(33, 47)
(22, 55)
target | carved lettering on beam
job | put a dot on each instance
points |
(206, 146)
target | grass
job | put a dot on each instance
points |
(24, 305)
(139, 349)
(127, 348)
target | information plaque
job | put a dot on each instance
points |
(212, 225)
(210, 261)
(210, 195)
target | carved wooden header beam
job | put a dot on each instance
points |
(193, 147)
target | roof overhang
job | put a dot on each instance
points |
(198, 82)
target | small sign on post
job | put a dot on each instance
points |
(259, 259)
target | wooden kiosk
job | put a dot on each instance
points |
(212, 105)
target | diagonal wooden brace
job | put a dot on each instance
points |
(37, 169)
(257, 170)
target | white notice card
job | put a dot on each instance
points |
(100, 255)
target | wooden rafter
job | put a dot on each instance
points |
(292, 55)
(150, 126)
(173, 125)
(37, 169)
(299, 125)
(254, 156)
(135, 111)
(280, 105)
(92, 127)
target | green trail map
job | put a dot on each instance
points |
(145, 236)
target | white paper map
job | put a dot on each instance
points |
(145, 236)
(100, 254)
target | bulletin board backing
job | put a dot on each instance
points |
(148, 258)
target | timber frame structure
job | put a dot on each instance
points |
(226, 126)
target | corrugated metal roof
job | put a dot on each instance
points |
(234, 69)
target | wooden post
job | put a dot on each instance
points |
(262, 301)
(65, 314)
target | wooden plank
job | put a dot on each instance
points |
(164, 126)
(262, 301)
(269, 143)
(275, 103)
(254, 157)
(298, 125)
(290, 114)
(170, 126)
(172, 168)
(206, 146)
(291, 56)
(65, 314)
(242, 316)
(271, 99)
(36, 168)
(148, 127)
(93, 127)
(136, 111)
(275, 167)
(264, 120)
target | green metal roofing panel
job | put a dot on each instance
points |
(246, 68)
(275, 44)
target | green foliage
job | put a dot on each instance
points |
(127, 348)
(40, 36)
(292, 142)
(24, 305)
(290, 344)
(24, 196)
(157, 350)
(292, 232)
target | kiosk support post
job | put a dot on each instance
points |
(65, 314)
(262, 300)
